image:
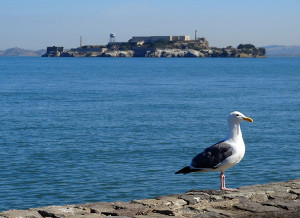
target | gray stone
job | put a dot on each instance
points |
(118, 209)
(21, 213)
(62, 211)
(209, 214)
(287, 205)
(283, 194)
(269, 200)
(295, 191)
(188, 212)
(192, 199)
(255, 207)
(259, 197)
(221, 212)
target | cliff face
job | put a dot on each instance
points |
(174, 53)
(198, 48)
(159, 52)
(281, 199)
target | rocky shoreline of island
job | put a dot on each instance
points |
(278, 199)
(158, 46)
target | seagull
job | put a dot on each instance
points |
(224, 154)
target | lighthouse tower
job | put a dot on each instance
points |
(196, 35)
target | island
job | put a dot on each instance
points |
(157, 46)
(277, 199)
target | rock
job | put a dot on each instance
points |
(281, 199)
(251, 206)
(192, 53)
(174, 53)
(21, 213)
(117, 53)
(287, 205)
(126, 54)
(110, 54)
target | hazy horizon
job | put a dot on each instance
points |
(34, 25)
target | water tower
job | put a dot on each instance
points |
(112, 38)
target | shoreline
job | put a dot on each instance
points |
(158, 48)
(278, 199)
(156, 53)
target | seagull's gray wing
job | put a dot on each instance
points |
(212, 156)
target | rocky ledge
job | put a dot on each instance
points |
(159, 49)
(280, 199)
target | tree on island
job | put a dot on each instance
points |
(262, 51)
(251, 49)
(246, 46)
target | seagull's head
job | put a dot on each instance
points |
(237, 117)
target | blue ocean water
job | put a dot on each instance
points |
(76, 130)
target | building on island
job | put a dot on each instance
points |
(151, 39)
(112, 38)
(90, 48)
(54, 51)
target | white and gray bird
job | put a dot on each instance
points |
(224, 154)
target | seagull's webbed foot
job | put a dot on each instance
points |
(228, 189)
(223, 188)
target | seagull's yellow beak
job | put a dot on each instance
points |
(248, 119)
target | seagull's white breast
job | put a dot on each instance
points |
(238, 152)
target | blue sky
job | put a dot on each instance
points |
(35, 24)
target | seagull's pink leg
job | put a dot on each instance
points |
(221, 180)
(223, 188)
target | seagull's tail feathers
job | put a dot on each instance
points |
(185, 170)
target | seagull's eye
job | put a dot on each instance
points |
(237, 115)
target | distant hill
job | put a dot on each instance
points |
(21, 52)
(282, 51)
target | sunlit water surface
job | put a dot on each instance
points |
(75, 130)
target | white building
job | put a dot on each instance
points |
(150, 39)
